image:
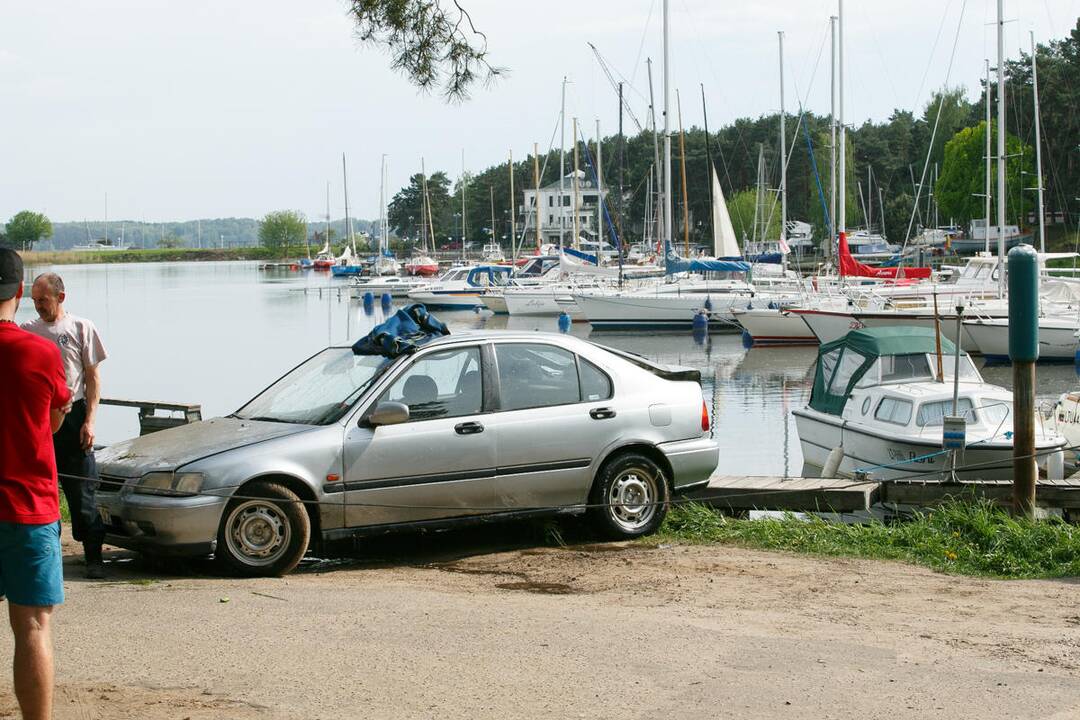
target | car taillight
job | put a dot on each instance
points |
(704, 417)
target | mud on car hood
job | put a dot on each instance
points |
(172, 448)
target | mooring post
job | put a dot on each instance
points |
(1024, 352)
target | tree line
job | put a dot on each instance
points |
(889, 164)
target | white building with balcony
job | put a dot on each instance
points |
(556, 212)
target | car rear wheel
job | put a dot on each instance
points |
(264, 532)
(630, 496)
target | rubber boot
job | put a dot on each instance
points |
(95, 568)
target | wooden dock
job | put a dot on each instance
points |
(739, 493)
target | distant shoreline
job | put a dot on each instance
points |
(93, 257)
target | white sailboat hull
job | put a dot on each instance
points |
(1057, 337)
(775, 327)
(833, 325)
(547, 302)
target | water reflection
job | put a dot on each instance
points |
(217, 333)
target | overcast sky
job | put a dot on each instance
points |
(180, 110)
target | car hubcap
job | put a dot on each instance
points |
(632, 499)
(258, 532)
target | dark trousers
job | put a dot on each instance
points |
(78, 478)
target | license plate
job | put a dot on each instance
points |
(106, 516)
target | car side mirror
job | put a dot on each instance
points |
(387, 413)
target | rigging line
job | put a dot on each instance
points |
(933, 135)
(933, 50)
(641, 46)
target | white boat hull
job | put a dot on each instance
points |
(894, 458)
(449, 299)
(664, 310)
(775, 327)
(541, 303)
(1057, 338)
(831, 325)
(495, 302)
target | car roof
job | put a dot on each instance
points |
(480, 335)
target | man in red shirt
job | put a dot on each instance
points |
(32, 407)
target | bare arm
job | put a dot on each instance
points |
(56, 417)
(92, 378)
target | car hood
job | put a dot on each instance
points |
(172, 448)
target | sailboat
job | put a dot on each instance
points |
(422, 264)
(347, 264)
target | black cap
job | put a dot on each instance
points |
(11, 273)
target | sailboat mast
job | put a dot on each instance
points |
(841, 220)
(513, 224)
(536, 199)
(386, 216)
(599, 187)
(106, 218)
(620, 236)
(709, 168)
(667, 127)
(348, 222)
(574, 204)
(783, 159)
(562, 166)
(656, 159)
(1001, 145)
(832, 148)
(491, 195)
(986, 192)
(463, 204)
(682, 175)
(1038, 147)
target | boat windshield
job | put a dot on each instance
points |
(967, 368)
(319, 391)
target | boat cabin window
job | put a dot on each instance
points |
(894, 410)
(995, 413)
(967, 368)
(899, 368)
(850, 362)
(930, 414)
(455, 275)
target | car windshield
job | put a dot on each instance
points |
(319, 391)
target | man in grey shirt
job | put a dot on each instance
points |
(81, 351)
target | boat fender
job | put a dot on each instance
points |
(708, 302)
(747, 339)
(832, 463)
(1055, 465)
(701, 320)
(564, 322)
(369, 298)
(387, 299)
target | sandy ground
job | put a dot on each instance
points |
(484, 624)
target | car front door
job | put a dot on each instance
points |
(553, 420)
(440, 463)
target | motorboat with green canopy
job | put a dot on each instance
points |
(880, 396)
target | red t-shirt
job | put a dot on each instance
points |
(31, 384)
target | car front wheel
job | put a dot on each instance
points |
(264, 531)
(630, 496)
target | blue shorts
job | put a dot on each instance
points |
(31, 566)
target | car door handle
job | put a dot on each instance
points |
(468, 428)
(601, 413)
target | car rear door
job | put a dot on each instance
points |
(550, 426)
(441, 463)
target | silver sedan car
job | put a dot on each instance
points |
(469, 427)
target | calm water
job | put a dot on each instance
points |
(218, 333)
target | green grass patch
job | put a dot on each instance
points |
(65, 513)
(975, 538)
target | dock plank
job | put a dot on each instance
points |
(793, 493)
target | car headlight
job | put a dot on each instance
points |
(167, 483)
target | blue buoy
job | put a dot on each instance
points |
(701, 320)
(747, 339)
(369, 299)
(564, 322)
(708, 302)
(387, 299)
